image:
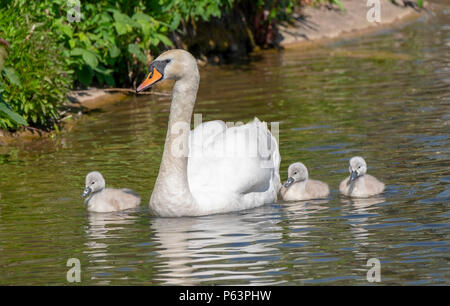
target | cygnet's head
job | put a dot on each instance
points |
(357, 168)
(94, 182)
(297, 172)
(171, 65)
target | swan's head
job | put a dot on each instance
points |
(297, 172)
(171, 65)
(357, 168)
(94, 182)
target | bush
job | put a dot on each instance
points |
(115, 40)
(111, 44)
(35, 78)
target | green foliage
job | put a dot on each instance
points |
(10, 115)
(418, 3)
(106, 40)
(52, 50)
(338, 3)
(114, 40)
(202, 9)
(34, 79)
(6, 112)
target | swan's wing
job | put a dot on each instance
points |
(131, 192)
(344, 186)
(317, 189)
(233, 162)
(121, 198)
(373, 185)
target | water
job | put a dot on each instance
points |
(385, 97)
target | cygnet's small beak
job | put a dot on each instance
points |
(289, 181)
(153, 77)
(353, 176)
(86, 191)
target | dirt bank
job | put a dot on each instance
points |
(314, 24)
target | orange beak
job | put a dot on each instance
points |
(153, 77)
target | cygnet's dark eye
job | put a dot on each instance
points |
(295, 172)
(92, 183)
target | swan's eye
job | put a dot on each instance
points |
(92, 183)
(167, 61)
(295, 172)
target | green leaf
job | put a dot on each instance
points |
(85, 75)
(164, 39)
(64, 28)
(136, 50)
(103, 70)
(12, 76)
(123, 23)
(72, 43)
(90, 58)
(114, 51)
(121, 28)
(84, 38)
(77, 51)
(142, 17)
(5, 108)
(339, 4)
(175, 22)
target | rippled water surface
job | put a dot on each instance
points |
(384, 96)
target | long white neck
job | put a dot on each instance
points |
(171, 195)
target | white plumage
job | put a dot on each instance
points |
(233, 168)
(223, 169)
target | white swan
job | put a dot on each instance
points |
(212, 169)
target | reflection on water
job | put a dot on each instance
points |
(384, 97)
(219, 248)
(102, 228)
